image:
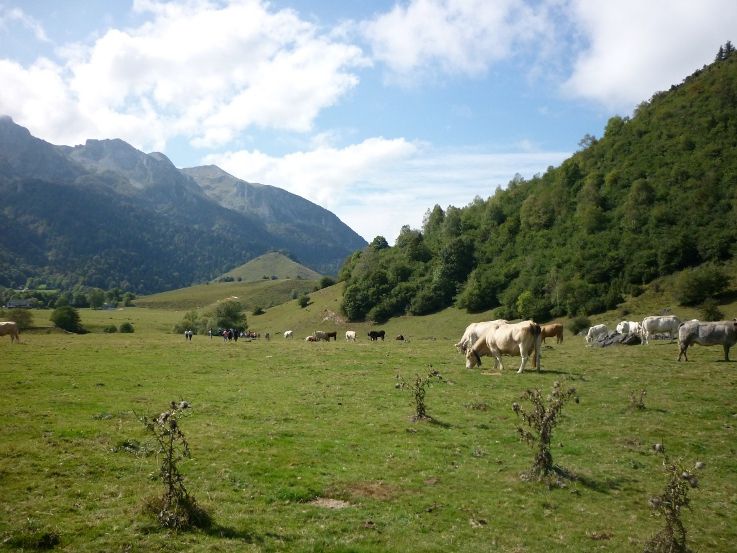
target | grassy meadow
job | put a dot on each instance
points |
(310, 447)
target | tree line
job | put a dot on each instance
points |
(657, 193)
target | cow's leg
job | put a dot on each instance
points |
(683, 353)
(726, 352)
(497, 354)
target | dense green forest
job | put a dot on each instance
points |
(656, 194)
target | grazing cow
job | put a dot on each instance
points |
(628, 327)
(320, 335)
(596, 331)
(717, 333)
(550, 330)
(10, 328)
(333, 335)
(310, 339)
(473, 331)
(521, 339)
(289, 334)
(350, 335)
(400, 337)
(374, 335)
(662, 324)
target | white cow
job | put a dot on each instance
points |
(474, 331)
(10, 328)
(521, 339)
(629, 327)
(596, 331)
(350, 335)
(289, 334)
(663, 324)
(719, 333)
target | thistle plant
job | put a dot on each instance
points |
(419, 390)
(540, 421)
(637, 400)
(668, 505)
(176, 509)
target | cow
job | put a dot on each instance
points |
(716, 333)
(400, 337)
(10, 328)
(521, 339)
(629, 327)
(473, 331)
(289, 334)
(662, 324)
(550, 330)
(350, 335)
(374, 335)
(310, 339)
(596, 331)
(333, 335)
(320, 335)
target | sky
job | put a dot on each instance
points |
(376, 110)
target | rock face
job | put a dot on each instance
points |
(107, 215)
(614, 337)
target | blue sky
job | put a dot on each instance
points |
(376, 110)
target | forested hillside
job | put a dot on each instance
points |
(657, 193)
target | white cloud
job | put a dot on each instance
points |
(380, 184)
(452, 36)
(16, 16)
(205, 71)
(638, 48)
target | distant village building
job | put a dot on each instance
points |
(21, 303)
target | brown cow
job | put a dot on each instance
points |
(333, 335)
(10, 327)
(520, 339)
(550, 330)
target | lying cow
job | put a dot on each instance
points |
(374, 335)
(657, 325)
(628, 327)
(350, 335)
(550, 330)
(521, 339)
(474, 331)
(10, 328)
(717, 333)
(289, 334)
(596, 331)
(310, 339)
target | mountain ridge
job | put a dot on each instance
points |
(105, 214)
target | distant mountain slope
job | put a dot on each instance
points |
(271, 265)
(657, 193)
(105, 214)
(286, 215)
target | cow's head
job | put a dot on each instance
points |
(473, 359)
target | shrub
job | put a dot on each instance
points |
(126, 327)
(710, 311)
(326, 281)
(578, 324)
(110, 329)
(67, 318)
(419, 390)
(176, 509)
(693, 286)
(672, 537)
(541, 420)
(303, 301)
(22, 317)
(258, 310)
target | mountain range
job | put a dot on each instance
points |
(105, 214)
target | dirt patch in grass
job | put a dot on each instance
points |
(374, 490)
(330, 503)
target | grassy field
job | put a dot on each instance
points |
(272, 264)
(310, 447)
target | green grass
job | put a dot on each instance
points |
(278, 424)
(272, 264)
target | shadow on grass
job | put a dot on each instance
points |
(601, 486)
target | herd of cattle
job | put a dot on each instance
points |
(717, 333)
(524, 339)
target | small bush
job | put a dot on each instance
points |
(110, 329)
(22, 317)
(258, 310)
(67, 318)
(694, 286)
(419, 390)
(126, 328)
(578, 324)
(710, 311)
(303, 301)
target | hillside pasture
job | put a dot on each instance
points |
(309, 447)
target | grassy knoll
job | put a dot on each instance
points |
(271, 264)
(279, 428)
(263, 293)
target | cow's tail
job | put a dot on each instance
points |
(537, 334)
